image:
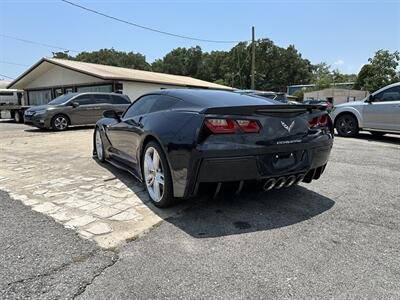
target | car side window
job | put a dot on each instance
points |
(102, 99)
(119, 100)
(84, 100)
(391, 94)
(163, 103)
(140, 106)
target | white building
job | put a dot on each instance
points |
(51, 77)
(4, 83)
(336, 95)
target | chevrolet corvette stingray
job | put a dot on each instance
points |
(175, 141)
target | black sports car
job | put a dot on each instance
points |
(178, 140)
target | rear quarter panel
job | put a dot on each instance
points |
(357, 111)
(177, 133)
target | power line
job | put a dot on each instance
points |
(12, 63)
(37, 43)
(5, 76)
(148, 28)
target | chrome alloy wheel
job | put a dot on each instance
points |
(99, 145)
(153, 174)
(60, 123)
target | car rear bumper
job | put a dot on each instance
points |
(302, 163)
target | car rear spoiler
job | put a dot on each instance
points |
(264, 109)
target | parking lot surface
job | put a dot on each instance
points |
(55, 174)
(337, 237)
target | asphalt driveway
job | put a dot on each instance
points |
(337, 237)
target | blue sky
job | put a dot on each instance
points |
(342, 33)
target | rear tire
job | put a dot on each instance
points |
(157, 175)
(60, 123)
(347, 125)
(18, 117)
(377, 133)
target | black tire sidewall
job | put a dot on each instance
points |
(54, 119)
(18, 117)
(103, 159)
(167, 198)
(355, 127)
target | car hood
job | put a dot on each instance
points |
(41, 107)
(353, 103)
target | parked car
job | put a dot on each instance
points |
(277, 96)
(75, 109)
(177, 141)
(325, 103)
(379, 113)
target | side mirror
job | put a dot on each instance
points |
(111, 114)
(75, 104)
(370, 99)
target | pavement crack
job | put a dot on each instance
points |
(75, 260)
(83, 288)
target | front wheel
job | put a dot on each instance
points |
(99, 147)
(60, 123)
(347, 125)
(157, 176)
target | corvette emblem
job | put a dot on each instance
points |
(288, 128)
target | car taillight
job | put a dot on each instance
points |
(221, 125)
(232, 126)
(249, 126)
(321, 121)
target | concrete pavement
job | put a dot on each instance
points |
(40, 259)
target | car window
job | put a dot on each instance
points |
(119, 100)
(163, 103)
(391, 94)
(101, 98)
(140, 106)
(84, 100)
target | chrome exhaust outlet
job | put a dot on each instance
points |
(280, 182)
(269, 184)
(290, 180)
(300, 178)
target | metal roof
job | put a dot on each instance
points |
(106, 72)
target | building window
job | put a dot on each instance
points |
(95, 88)
(39, 97)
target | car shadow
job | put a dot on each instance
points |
(229, 214)
(42, 130)
(387, 138)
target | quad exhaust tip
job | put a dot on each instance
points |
(280, 182)
(290, 180)
(269, 184)
(300, 177)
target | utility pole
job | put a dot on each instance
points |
(253, 57)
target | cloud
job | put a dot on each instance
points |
(339, 62)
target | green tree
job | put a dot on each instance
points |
(63, 55)
(365, 72)
(380, 71)
(115, 58)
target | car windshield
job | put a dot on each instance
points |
(61, 99)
